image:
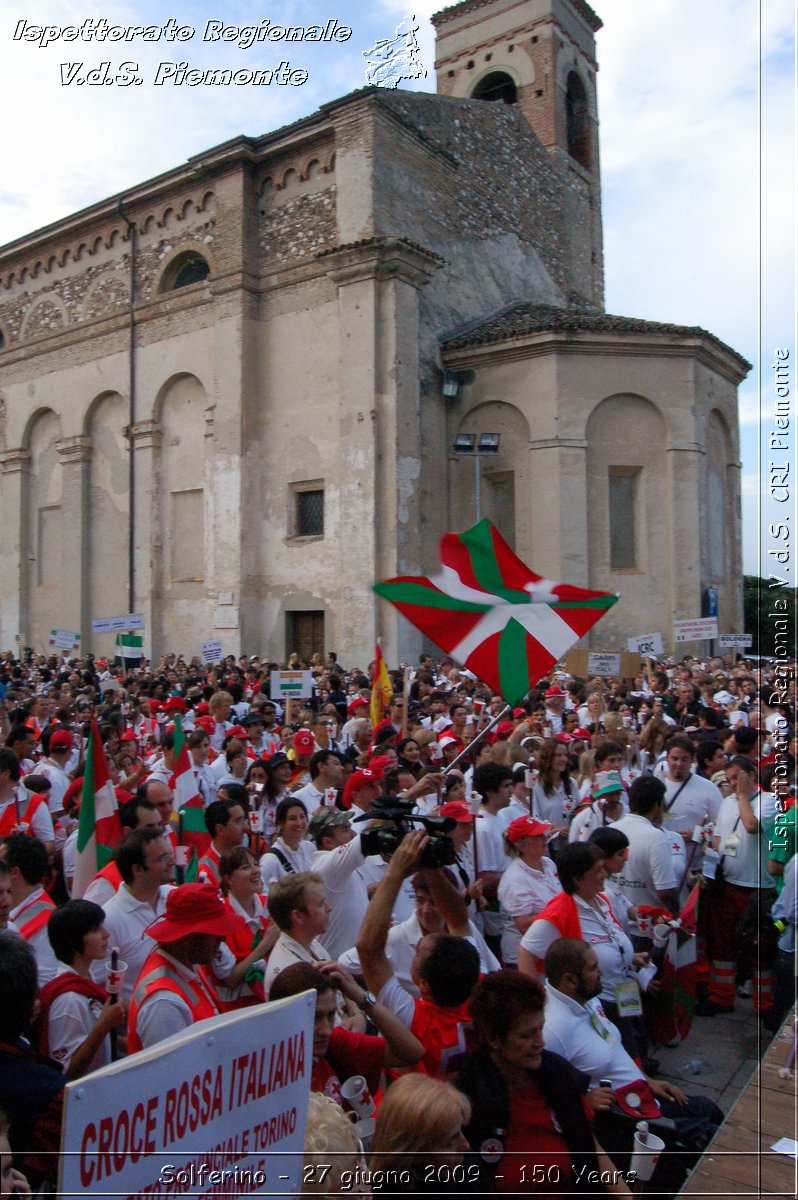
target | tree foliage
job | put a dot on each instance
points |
(770, 612)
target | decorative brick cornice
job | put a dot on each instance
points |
(74, 450)
(381, 258)
(12, 461)
(147, 435)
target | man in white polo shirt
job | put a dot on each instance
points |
(147, 866)
(648, 876)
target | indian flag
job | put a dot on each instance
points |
(187, 800)
(99, 827)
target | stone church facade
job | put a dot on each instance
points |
(229, 397)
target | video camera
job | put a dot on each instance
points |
(383, 839)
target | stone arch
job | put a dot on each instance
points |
(46, 315)
(186, 265)
(719, 490)
(42, 526)
(628, 496)
(578, 122)
(496, 86)
(108, 500)
(504, 477)
(109, 294)
(179, 504)
(516, 63)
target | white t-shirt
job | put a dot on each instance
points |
(70, 1020)
(287, 951)
(272, 869)
(346, 894)
(650, 867)
(523, 892)
(745, 861)
(698, 801)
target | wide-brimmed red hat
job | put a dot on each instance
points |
(194, 908)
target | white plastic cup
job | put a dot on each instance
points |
(181, 856)
(114, 977)
(646, 1155)
(365, 1131)
(644, 925)
(357, 1095)
(661, 935)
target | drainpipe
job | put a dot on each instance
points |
(131, 519)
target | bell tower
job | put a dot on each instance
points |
(541, 56)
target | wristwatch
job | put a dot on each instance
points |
(368, 1001)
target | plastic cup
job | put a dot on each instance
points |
(661, 934)
(647, 1149)
(181, 856)
(357, 1095)
(365, 1132)
(644, 925)
(114, 977)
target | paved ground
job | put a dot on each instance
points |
(729, 1046)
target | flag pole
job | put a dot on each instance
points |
(482, 733)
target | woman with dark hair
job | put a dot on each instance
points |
(76, 1013)
(290, 851)
(555, 794)
(581, 911)
(408, 756)
(240, 876)
(530, 1124)
(279, 771)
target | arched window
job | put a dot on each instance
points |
(498, 85)
(577, 120)
(186, 269)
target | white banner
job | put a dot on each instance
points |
(64, 639)
(603, 664)
(647, 644)
(290, 685)
(211, 652)
(118, 624)
(700, 629)
(743, 640)
(217, 1110)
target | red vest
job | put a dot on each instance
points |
(8, 822)
(110, 873)
(208, 867)
(159, 975)
(445, 1035)
(34, 916)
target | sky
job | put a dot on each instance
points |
(697, 129)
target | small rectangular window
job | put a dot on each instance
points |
(623, 489)
(309, 516)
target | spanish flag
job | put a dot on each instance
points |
(381, 688)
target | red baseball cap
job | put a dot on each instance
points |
(457, 809)
(523, 827)
(304, 741)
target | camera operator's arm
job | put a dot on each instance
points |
(374, 962)
(423, 786)
(448, 901)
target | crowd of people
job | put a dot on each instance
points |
(480, 896)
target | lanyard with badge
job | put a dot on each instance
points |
(627, 992)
